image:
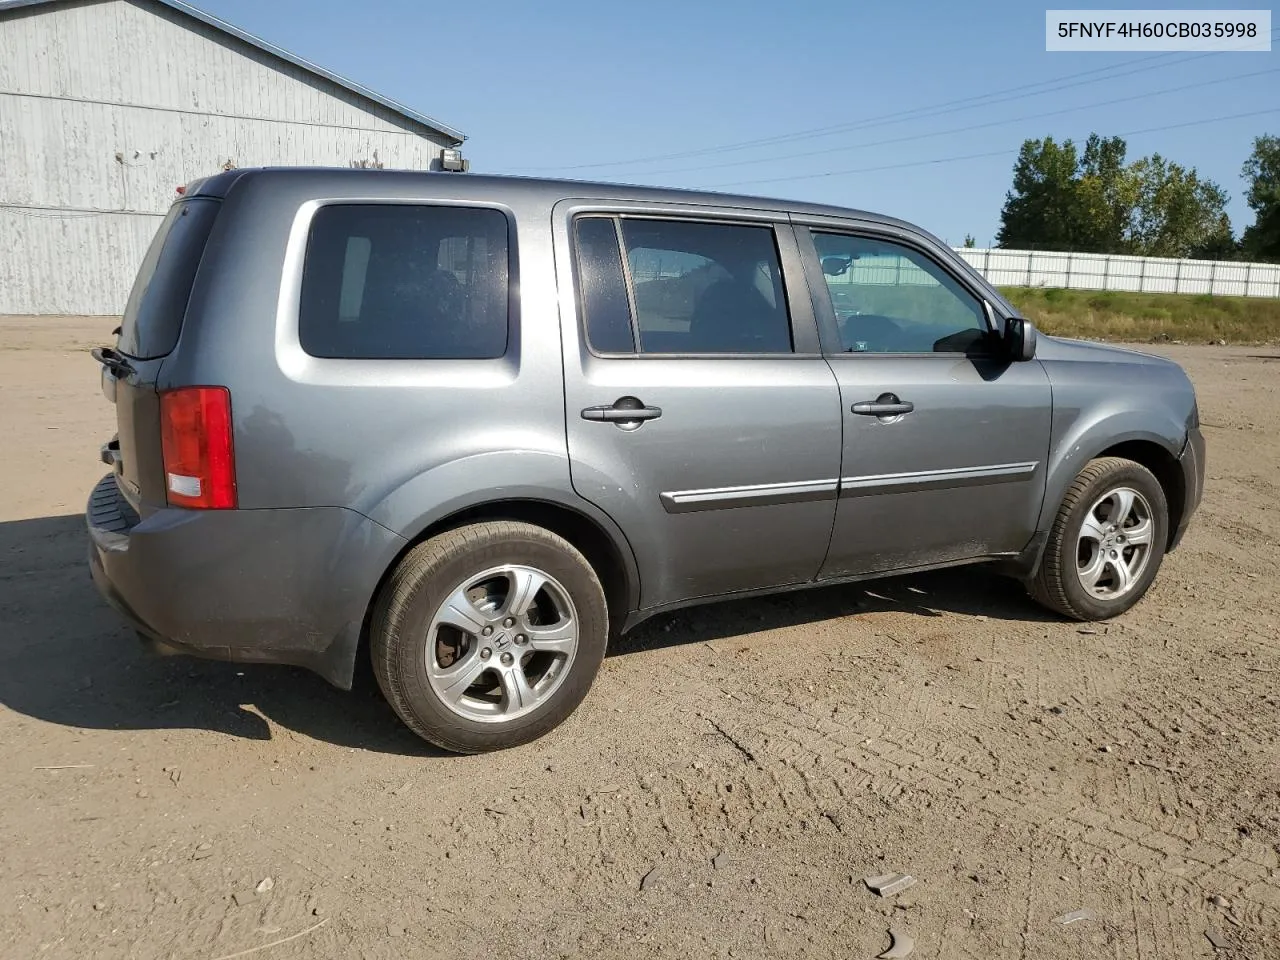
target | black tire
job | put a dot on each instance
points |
(419, 585)
(1058, 585)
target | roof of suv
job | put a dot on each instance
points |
(407, 183)
(219, 184)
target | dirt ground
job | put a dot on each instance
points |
(735, 773)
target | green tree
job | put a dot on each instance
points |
(969, 242)
(1178, 214)
(1262, 240)
(1095, 202)
(1221, 244)
(1106, 194)
(1040, 211)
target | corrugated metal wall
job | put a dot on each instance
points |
(1084, 271)
(106, 107)
(1100, 271)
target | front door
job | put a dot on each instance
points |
(701, 415)
(945, 439)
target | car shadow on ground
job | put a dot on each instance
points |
(67, 658)
(973, 591)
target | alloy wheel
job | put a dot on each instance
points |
(501, 643)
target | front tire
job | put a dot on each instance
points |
(489, 635)
(1107, 542)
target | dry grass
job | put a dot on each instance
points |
(1149, 317)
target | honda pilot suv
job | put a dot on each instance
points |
(471, 427)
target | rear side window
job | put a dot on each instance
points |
(158, 302)
(604, 286)
(406, 282)
(684, 287)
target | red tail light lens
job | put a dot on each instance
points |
(195, 439)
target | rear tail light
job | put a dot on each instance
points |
(195, 438)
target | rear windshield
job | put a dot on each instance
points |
(158, 302)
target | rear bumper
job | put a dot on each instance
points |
(262, 586)
(1192, 463)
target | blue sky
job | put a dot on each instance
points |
(549, 87)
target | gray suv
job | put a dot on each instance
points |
(477, 425)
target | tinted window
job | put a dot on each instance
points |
(158, 302)
(706, 288)
(892, 299)
(603, 287)
(394, 281)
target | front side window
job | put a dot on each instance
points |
(682, 287)
(405, 282)
(889, 298)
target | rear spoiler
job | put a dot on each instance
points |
(214, 185)
(192, 187)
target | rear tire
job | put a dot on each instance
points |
(489, 635)
(1107, 542)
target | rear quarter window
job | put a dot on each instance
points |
(158, 302)
(406, 282)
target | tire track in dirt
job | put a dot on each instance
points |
(1132, 840)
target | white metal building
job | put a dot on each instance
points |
(108, 106)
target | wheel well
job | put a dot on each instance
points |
(1166, 469)
(581, 531)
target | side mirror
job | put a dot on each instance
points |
(834, 266)
(1020, 338)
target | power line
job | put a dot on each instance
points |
(975, 156)
(964, 129)
(1054, 85)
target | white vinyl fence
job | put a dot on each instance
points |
(1098, 271)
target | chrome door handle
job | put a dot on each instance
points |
(885, 405)
(625, 412)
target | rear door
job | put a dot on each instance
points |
(700, 413)
(945, 439)
(149, 332)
